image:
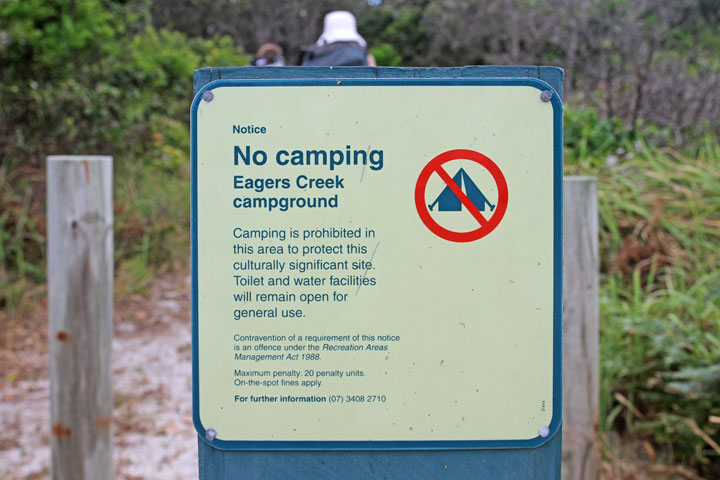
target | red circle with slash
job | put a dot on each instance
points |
(487, 225)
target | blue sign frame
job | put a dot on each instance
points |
(555, 424)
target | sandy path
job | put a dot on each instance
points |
(153, 433)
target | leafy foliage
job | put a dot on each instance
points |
(386, 55)
(402, 39)
(94, 77)
(589, 138)
(660, 296)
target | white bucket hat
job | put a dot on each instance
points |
(340, 26)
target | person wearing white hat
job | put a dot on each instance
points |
(340, 44)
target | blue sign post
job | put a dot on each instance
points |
(243, 428)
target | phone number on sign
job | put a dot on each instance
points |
(358, 398)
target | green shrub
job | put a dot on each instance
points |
(590, 139)
(94, 77)
(386, 55)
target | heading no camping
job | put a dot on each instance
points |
(330, 159)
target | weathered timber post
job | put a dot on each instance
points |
(80, 307)
(580, 329)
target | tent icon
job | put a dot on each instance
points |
(447, 201)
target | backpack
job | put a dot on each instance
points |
(337, 54)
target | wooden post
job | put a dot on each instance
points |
(580, 329)
(80, 291)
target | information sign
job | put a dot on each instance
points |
(376, 264)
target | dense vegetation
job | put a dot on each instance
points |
(98, 77)
(642, 61)
(660, 288)
(114, 77)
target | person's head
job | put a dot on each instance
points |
(340, 26)
(268, 55)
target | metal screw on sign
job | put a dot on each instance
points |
(210, 433)
(544, 431)
(208, 96)
(545, 96)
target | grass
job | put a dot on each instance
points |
(152, 225)
(151, 229)
(22, 237)
(660, 297)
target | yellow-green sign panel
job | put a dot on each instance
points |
(333, 304)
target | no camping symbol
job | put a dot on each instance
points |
(453, 198)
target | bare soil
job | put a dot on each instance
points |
(152, 421)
